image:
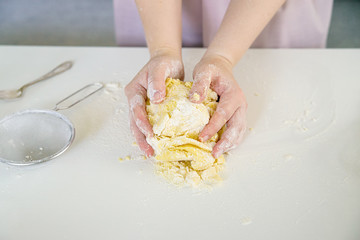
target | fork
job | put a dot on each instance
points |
(15, 93)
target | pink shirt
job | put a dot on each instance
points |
(297, 24)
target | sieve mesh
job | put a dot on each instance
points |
(33, 136)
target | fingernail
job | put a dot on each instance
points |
(203, 139)
(216, 155)
(157, 97)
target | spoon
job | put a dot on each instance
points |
(10, 94)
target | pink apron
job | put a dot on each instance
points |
(297, 24)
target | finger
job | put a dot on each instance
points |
(140, 139)
(176, 70)
(157, 76)
(136, 95)
(233, 135)
(200, 87)
(138, 112)
(156, 86)
(227, 106)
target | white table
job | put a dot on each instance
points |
(296, 175)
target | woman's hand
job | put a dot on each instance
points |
(215, 71)
(150, 82)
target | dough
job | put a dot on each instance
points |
(177, 122)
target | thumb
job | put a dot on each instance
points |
(156, 85)
(201, 84)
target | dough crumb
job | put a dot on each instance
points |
(288, 157)
(127, 158)
(133, 158)
(196, 97)
(180, 157)
(246, 221)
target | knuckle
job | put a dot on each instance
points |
(224, 145)
(156, 84)
(214, 126)
(234, 135)
(202, 78)
(151, 81)
(224, 112)
(211, 126)
(237, 117)
(135, 111)
(136, 102)
(236, 99)
(139, 114)
(221, 113)
(142, 143)
(134, 131)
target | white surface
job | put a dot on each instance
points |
(296, 175)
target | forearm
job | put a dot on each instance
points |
(162, 25)
(243, 22)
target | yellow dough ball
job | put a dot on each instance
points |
(177, 122)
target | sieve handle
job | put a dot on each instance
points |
(98, 87)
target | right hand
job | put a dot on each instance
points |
(150, 82)
(215, 71)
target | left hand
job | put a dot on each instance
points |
(215, 72)
(150, 82)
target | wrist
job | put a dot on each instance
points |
(174, 52)
(211, 56)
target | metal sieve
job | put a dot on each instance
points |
(34, 136)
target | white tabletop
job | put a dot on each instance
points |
(296, 175)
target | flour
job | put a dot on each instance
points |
(136, 101)
(108, 130)
(186, 117)
(152, 92)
